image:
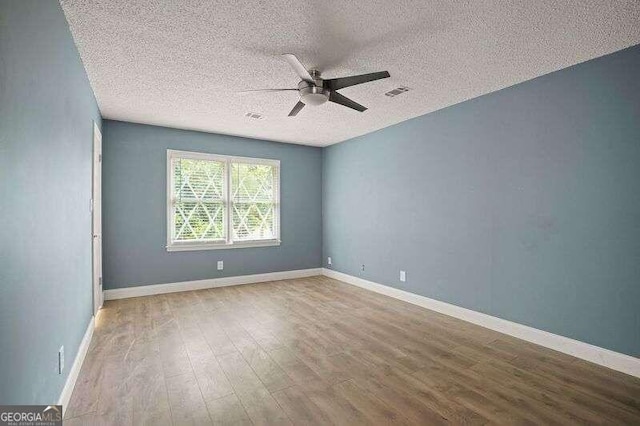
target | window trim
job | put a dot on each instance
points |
(228, 243)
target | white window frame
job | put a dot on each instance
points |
(228, 243)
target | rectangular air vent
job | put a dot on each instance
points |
(396, 92)
(254, 115)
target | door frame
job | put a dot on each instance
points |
(96, 220)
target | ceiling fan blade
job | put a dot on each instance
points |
(265, 90)
(343, 100)
(296, 109)
(298, 67)
(342, 82)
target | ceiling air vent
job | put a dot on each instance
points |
(254, 115)
(396, 92)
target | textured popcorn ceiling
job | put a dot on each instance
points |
(180, 63)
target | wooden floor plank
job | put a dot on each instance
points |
(261, 407)
(299, 408)
(228, 411)
(185, 399)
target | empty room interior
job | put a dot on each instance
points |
(338, 212)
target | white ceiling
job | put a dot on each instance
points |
(180, 63)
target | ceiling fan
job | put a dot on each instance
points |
(314, 90)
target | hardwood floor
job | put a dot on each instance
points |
(318, 351)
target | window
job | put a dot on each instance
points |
(216, 201)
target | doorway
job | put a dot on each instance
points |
(96, 214)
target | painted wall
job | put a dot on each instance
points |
(523, 204)
(47, 110)
(134, 199)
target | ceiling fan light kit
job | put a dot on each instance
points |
(310, 94)
(315, 91)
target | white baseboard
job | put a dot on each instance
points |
(67, 390)
(605, 357)
(147, 290)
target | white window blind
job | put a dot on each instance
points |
(218, 201)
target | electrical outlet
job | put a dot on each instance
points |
(403, 276)
(362, 268)
(329, 260)
(220, 265)
(61, 360)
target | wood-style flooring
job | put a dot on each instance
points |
(318, 351)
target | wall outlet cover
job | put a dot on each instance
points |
(220, 265)
(403, 276)
(329, 260)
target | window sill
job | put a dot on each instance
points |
(245, 244)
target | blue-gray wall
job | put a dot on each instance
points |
(134, 207)
(523, 204)
(47, 110)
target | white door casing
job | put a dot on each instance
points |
(96, 209)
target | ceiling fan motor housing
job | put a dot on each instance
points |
(313, 94)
